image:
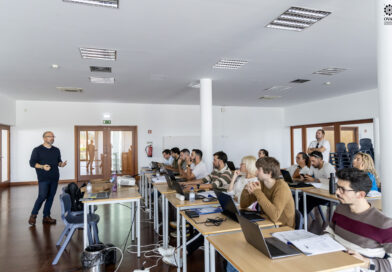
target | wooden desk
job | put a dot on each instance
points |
(227, 226)
(244, 257)
(123, 195)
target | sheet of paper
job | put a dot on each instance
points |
(160, 179)
(291, 235)
(318, 245)
(318, 185)
(207, 194)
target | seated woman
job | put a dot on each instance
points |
(241, 177)
(364, 162)
(302, 166)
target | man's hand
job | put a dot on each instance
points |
(253, 186)
(46, 167)
(62, 164)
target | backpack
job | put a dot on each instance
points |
(74, 192)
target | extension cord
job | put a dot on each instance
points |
(140, 270)
(166, 251)
(180, 197)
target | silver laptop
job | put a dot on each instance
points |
(271, 247)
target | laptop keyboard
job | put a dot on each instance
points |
(250, 215)
(274, 250)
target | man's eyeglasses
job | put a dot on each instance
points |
(343, 190)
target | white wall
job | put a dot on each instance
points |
(362, 105)
(7, 110)
(238, 131)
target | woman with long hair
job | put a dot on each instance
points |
(364, 162)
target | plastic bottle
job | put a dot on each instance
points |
(114, 181)
(332, 185)
(192, 195)
(89, 188)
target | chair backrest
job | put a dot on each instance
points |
(299, 220)
(365, 143)
(65, 203)
(352, 148)
(341, 148)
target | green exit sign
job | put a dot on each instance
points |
(107, 122)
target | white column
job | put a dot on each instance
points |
(206, 120)
(384, 65)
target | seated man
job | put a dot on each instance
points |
(167, 158)
(320, 172)
(357, 225)
(220, 177)
(175, 153)
(272, 193)
(301, 168)
(263, 153)
(182, 161)
(195, 167)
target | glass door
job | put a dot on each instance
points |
(122, 155)
(4, 154)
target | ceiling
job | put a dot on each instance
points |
(163, 45)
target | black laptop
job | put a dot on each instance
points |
(180, 191)
(154, 165)
(230, 209)
(271, 247)
(287, 177)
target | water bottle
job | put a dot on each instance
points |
(89, 188)
(114, 181)
(192, 195)
(332, 185)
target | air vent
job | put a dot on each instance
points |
(297, 19)
(102, 3)
(269, 97)
(102, 80)
(101, 69)
(98, 53)
(300, 80)
(330, 71)
(232, 64)
(70, 89)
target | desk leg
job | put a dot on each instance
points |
(85, 226)
(163, 221)
(179, 235)
(167, 221)
(141, 185)
(206, 255)
(305, 213)
(133, 221)
(145, 194)
(149, 201)
(156, 223)
(296, 199)
(138, 226)
(212, 257)
(184, 265)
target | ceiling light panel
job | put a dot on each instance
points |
(101, 69)
(102, 80)
(102, 3)
(269, 97)
(70, 89)
(330, 71)
(97, 53)
(232, 64)
(297, 19)
(300, 80)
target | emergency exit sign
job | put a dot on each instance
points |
(107, 122)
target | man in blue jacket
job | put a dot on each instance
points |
(46, 159)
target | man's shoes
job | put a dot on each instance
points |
(48, 220)
(174, 233)
(32, 219)
(174, 259)
(173, 224)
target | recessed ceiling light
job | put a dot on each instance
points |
(98, 53)
(55, 66)
(232, 64)
(330, 71)
(103, 3)
(70, 89)
(102, 80)
(297, 19)
(300, 80)
(277, 88)
(327, 83)
(101, 69)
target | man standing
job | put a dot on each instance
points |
(46, 159)
(320, 145)
(357, 225)
(91, 156)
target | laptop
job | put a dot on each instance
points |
(271, 247)
(230, 209)
(170, 182)
(287, 177)
(180, 191)
(154, 165)
(100, 195)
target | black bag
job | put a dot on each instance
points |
(74, 191)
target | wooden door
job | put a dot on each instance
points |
(5, 167)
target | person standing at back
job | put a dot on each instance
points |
(46, 159)
(320, 144)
